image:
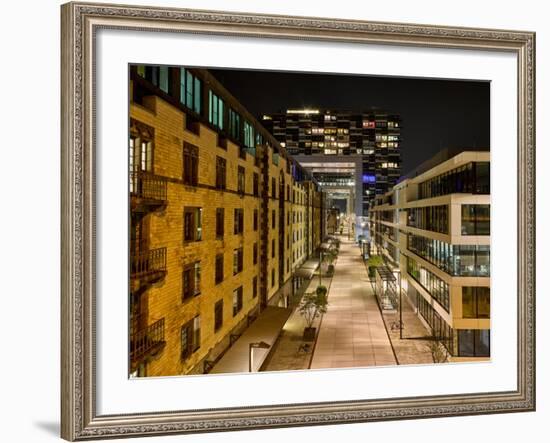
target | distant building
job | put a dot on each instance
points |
(220, 218)
(354, 156)
(434, 227)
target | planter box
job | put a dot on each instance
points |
(309, 334)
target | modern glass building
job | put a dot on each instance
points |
(354, 156)
(434, 228)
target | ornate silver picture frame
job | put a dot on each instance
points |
(80, 24)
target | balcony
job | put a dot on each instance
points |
(147, 267)
(146, 343)
(148, 192)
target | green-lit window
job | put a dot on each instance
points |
(215, 110)
(141, 70)
(163, 78)
(248, 135)
(234, 125)
(190, 90)
(197, 96)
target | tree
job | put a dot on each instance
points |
(438, 351)
(373, 262)
(312, 306)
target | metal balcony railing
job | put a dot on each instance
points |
(147, 341)
(148, 262)
(148, 186)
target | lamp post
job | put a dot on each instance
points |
(251, 346)
(400, 308)
(320, 265)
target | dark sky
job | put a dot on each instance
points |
(435, 113)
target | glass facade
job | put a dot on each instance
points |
(476, 220)
(429, 218)
(456, 260)
(440, 329)
(476, 302)
(436, 287)
(474, 342)
(472, 178)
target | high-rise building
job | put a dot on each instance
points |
(221, 217)
(433, 231)
(353, 155)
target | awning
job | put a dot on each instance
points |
(266, 328)
(305, 273)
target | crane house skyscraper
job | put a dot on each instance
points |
(354, 156)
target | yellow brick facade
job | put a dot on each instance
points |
(163, 227)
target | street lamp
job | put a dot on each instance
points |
(320, 265)
(400, 307)
(251, 346)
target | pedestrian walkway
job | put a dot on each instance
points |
(288, 353)
(352, 332)
(265, 328)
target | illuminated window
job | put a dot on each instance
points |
(215, 110)
(190, 90)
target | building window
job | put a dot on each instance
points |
(238, 221)
(255, 253)
(474, 342)
(272, 277)
(157, 75)
(472, 178)
(440, 328)
(459, 260)
(237, 260)
(220, 219)
(273, 217)
(237, 300)
(476, 302)
(430, 218)
(218, 315)
(190, 91)
(240, 180)
(273, 248)
(219, 269)
(234, 125)
(248, 135)
(255, 220)
(190, 337)
(215, 110)
(192, 224)
(254, 287)
(220, 172)
(191, 281)
(190, 164)
(256, 185)
(141, 150)
(436, 287)
(476, 219)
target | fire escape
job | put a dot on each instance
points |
(148, 195)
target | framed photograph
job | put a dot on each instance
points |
(275, 221)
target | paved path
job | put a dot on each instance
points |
(352, 331)
(286, 354)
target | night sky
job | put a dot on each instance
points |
(435, 114)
